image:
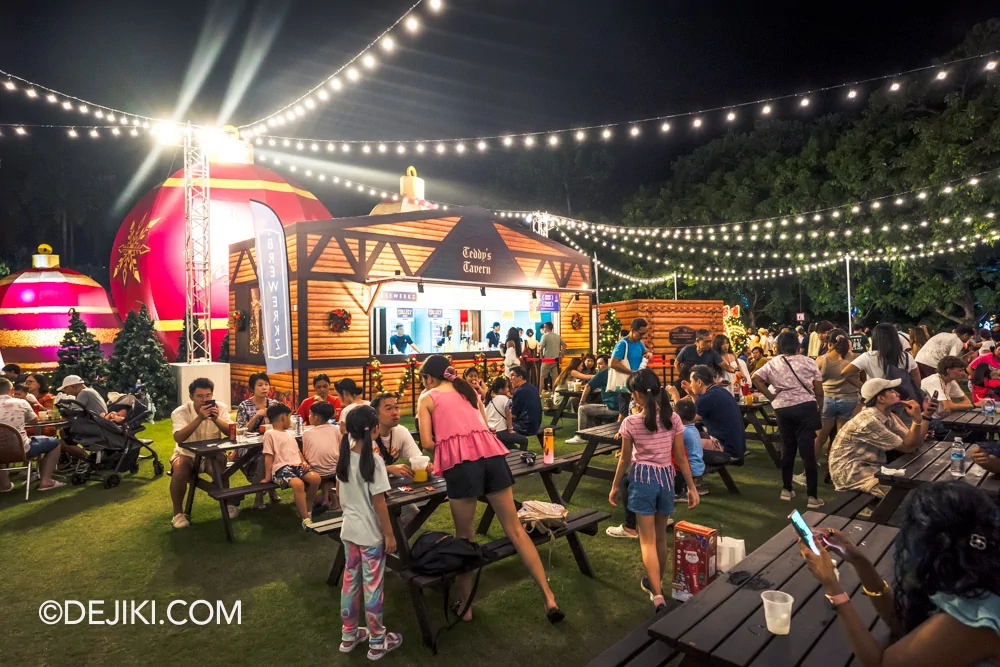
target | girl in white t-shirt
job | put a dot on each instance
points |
(887, 351)
(499, 417)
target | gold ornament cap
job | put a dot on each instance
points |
(411, 185)
(45, 259)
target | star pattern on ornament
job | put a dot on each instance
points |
(132, 248)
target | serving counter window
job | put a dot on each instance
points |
(450, 318)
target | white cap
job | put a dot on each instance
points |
(875, 386)
(69, 381)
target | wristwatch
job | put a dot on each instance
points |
(837, 600)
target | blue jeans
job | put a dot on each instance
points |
(41, 444)
(838, 408)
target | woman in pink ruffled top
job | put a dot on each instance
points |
(474, 464)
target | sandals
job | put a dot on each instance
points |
(347, 647)
(456, 609)
(393, 640)
(554, 615)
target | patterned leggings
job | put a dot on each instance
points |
(363, 571)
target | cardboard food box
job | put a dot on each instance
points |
(694, 559)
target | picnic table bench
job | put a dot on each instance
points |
(724, 624)
(931, 462)
(433, 493)
(638, 648)
(758, 419)
(601, 440)
(215, 488)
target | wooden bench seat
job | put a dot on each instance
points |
(238, 492)
(638, 647)
(581, 521)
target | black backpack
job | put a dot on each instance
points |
(442, 554)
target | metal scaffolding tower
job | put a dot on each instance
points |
(197, 250)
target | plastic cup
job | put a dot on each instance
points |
(777, 611)
(419, 465)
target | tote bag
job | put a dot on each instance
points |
(616, 378)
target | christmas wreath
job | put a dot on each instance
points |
(339, 320)
(240, 319)
(576, 321)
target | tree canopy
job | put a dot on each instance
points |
(923, 136)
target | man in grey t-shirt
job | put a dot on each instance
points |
(74, 387)
(551, 346)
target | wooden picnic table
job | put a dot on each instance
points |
(973, 422)
(757, 418)
(207, 448)
(567, 395)
(724, 625)
(931, 462)
(600, 440)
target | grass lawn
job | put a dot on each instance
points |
(89, 543)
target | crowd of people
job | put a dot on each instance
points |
(855, 397)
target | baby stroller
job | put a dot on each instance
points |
(113, 445)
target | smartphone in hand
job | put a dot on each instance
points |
(804, 531)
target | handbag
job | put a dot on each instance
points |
(616, 378)
(543, 518)
(816, 422)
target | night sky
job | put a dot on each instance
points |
(477, 68)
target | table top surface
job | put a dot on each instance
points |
(932, 463)
(219, 445)
(51, 423)
(602, 433)
(756, 405)
(974, 419)
(724, 622)
(572, 393)
(435, 485)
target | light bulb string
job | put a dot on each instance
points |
(343, 67)
(88, 103)
(648, 119)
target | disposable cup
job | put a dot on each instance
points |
(777, 611)
(419, 465)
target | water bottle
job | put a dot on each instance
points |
(958, 458)
(989, 409)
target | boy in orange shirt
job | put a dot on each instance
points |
(284, 463)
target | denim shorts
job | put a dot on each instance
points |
(285, 474)
(651, 489)
(41, 444)
(838, 408)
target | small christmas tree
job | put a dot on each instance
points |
(736, 332)
(182, 346)
(224, 350)
(138, 356)
(610, 332)
(80, 352)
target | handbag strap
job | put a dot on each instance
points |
(788, 363)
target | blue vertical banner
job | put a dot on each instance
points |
(272, 276)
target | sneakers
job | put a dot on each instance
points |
(393, 640)
(619, 531)
(681, 497)
(576, 440)
(702, 489)
(787, 495)
(307, 524)
(815, 503)
(799, 479)
(180, 521)
(234, 511)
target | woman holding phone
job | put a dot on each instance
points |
(943, 605)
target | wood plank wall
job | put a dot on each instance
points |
(664, 315)
(576, 341)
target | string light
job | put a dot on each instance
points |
(814, 217)
(297, 108)
(730, 113)
(34, 91)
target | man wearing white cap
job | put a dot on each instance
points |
(858, 452)
(74, 387)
